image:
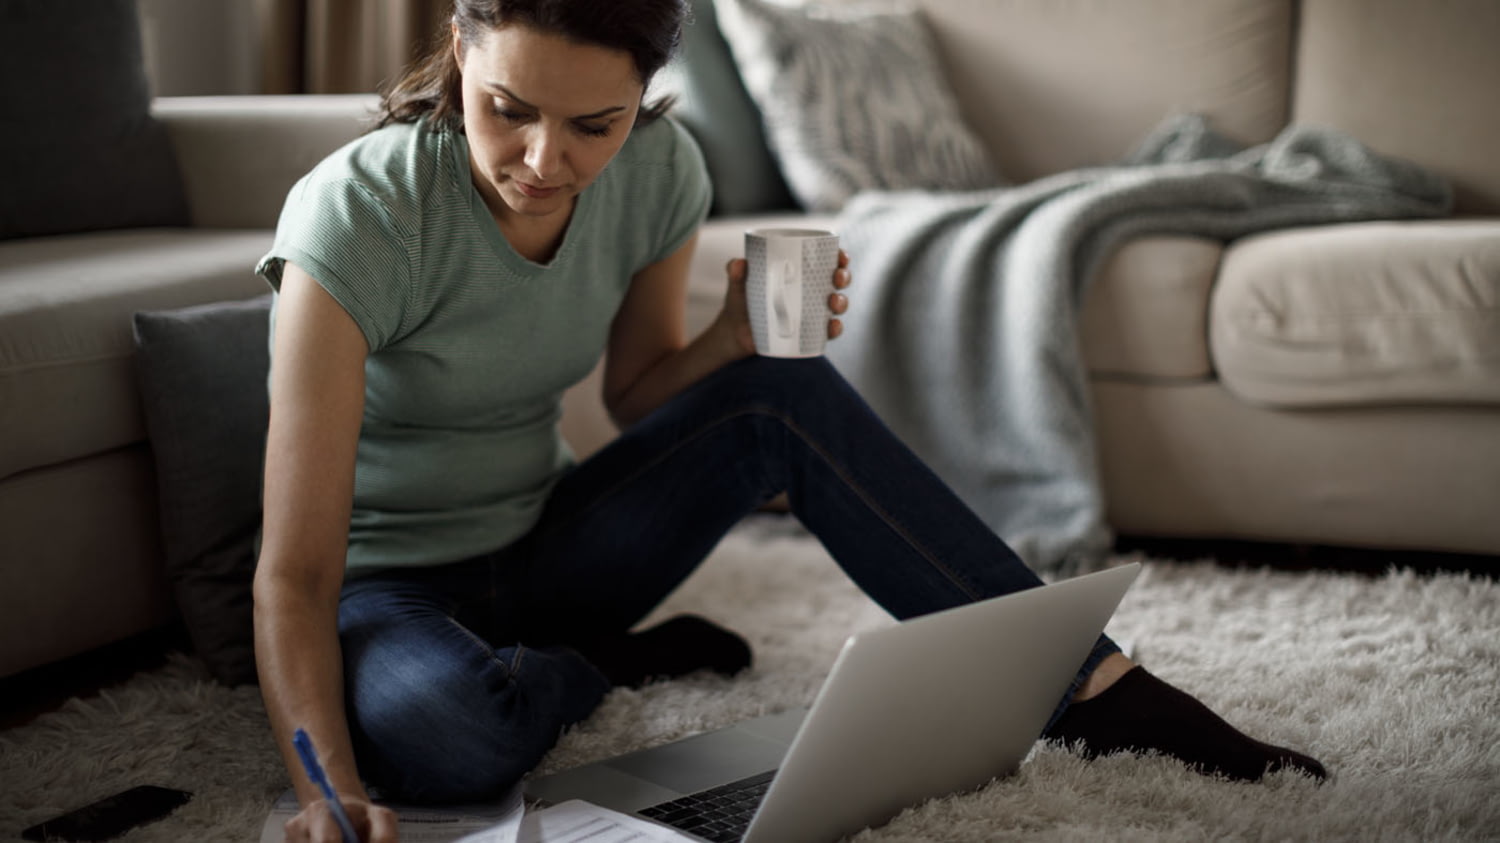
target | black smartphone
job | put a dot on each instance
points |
(111, 816)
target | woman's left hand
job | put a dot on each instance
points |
(737, 309)
(837, 301)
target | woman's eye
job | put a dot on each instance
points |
(510, 115)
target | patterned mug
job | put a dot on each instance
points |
(790, 279)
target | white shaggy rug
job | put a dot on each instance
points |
(1392, 681)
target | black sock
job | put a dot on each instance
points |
(675, 647)
(1140, 713)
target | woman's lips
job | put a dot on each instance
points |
(536, 192)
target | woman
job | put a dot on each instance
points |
(440, 590)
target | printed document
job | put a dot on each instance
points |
(507, 821)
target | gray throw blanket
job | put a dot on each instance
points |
(962, 332)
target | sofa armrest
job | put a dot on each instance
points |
(239, 155)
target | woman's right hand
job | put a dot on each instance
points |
(315, 823)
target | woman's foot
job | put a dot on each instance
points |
(1130, 710)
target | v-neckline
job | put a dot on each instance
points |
(489, 226)
(553, 241)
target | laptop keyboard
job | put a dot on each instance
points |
(720, 814)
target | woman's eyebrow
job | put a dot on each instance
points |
(510, 95)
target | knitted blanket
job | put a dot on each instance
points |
(963, 330)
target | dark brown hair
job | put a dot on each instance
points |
(649, 30)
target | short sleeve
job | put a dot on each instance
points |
(690, 196)
(348, 240)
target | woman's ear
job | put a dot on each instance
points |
(458, 46)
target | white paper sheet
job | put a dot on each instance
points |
(575, 821)
(497, 822)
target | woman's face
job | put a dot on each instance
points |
(543, 115)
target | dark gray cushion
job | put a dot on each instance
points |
(714, 106)
(82, 152)
(202, 374)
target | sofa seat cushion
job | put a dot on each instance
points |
(1361, 314)
(1145, 314)
(67, 383)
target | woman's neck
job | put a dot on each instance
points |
(535, 239)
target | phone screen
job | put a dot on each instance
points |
(112, 816)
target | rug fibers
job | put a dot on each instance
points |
(1393, 681)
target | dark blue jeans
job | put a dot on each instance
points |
(459, 678)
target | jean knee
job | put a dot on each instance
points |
(448, 732)
(785, 384)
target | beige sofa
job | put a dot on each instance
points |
(1210, 421)
(80, 547)
(1049, 86)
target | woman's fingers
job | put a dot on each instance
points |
(316, 824)
(382, 825)
(838, 303)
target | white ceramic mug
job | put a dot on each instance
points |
(789, 282)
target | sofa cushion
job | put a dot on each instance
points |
(85, 153)
(1145, 314)
(1415, 80)
(203, 376)
(854, 98)
(67, 389)
(1052, 85)
(80, 563)
(1361, 314)
(241, 155)
(713, 105)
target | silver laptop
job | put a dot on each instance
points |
(937, 704)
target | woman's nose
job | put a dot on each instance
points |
(544, 153)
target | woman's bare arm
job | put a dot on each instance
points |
(649, 359)
(317, 401)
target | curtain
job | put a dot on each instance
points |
(342, 46)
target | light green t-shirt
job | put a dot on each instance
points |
(471, 345)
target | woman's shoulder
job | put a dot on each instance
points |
(371, 148)
(660, 162)
(395, 165)
(655, 193)
(662, 142)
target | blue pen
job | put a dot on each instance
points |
(310, 761)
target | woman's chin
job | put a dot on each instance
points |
(529, 204)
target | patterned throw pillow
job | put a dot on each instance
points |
(854, 98)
